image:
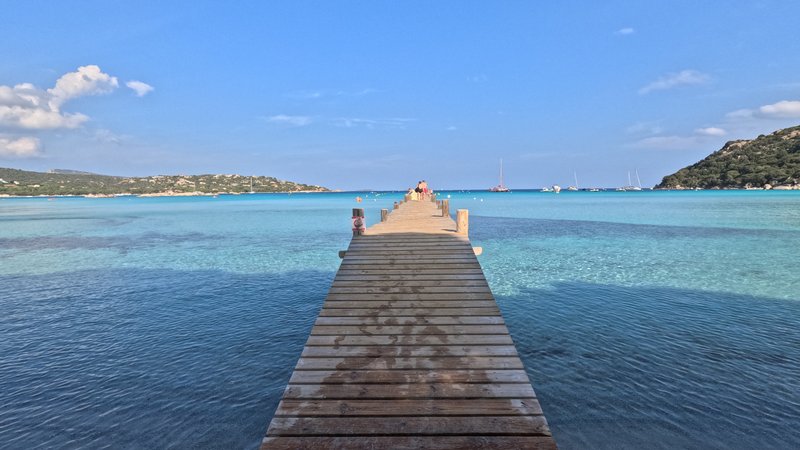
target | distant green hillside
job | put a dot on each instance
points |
(767, 161)
(21, 182)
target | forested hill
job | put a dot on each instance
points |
(770, 162)
(63, 182)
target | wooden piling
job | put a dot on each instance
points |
(445, 208)
(462, 222)
(384, 214)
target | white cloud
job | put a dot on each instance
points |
(87, 80)
(451, 128)
(786, 109)
(26, 106)
(21, 147)
(141, 88)
(711, 131)
(295, 121)
(672, 80)
(625, 31)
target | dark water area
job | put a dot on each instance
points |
(620, 367)
(149, 358)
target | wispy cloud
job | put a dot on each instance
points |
(294, 121)
(108, 137)
(328, 93)
(683, 78)
(141, 88)
(651, 127)
(451, 128)
(352, 122)
(784, 109)
(701, 137)
(711, 131)
(20, 147)
(625, 31)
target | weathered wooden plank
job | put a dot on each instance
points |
(407, 376)
(464, 253)
(396, 304)
(413, 296)
(428, 363)
(351, 276)
(410, 443)
(404, 340)
(411, 320)
(376, 289)
(408, 351)
(442, 252)
(416, 272)
(403, 407)
(409, 391)
(375, 284)
(410, 261)
(320, 330)
(430, 312)
(400, 426)
(429, 267)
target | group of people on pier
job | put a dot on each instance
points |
(421, 192)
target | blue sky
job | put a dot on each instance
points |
(379, 94)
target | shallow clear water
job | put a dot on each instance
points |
(651, 319)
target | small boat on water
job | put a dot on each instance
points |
(547, 189)
(500, 187)
(556, 188)
(574, 188)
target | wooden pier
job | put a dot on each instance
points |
(410, 350)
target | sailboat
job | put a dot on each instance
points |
(500, 187)
(630, 186)
(575, 187)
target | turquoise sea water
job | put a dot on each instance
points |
(645, 320)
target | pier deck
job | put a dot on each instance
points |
(409, 351)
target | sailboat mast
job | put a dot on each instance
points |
(501, 171)
(638, 181)
(576, 178)
(629, 179)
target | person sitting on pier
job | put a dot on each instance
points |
(424, 185)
